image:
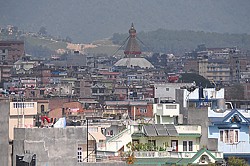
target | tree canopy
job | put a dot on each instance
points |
(235, 161)
(199, 80)
(179, 42)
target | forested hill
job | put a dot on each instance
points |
(90, 20)
(170, 41)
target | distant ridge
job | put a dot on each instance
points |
(171, 41)
(161, 41)
(86, 21)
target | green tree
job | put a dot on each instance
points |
(235, 161)
(191, 77)
(235, 91)
(42, 31)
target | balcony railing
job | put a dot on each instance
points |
(161, 154)
(188, 129)
(240, 147)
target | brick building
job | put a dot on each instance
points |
(11, 51)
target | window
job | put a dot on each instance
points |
(236, 136)
(171, 106)
(41, 92)
(42, 108)
(221, 135)
(184, 146)
(20, 105)
(152, 144)
(143, 110)
(229, 136)
(190, 145)
(187, 146)
(226, 136)
(79, 154)
(135, 141)
(167, 89)
(110, 133)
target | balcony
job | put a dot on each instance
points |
(166, 109)
(240, 147)
(163, 154)
(188, 129)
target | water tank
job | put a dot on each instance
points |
(180, 119)
(221, 104)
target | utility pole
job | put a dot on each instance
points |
(87, 139)
(22, 108)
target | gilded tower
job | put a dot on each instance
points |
(133, 53)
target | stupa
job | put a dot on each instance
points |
(133, 53)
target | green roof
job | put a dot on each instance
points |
(138, 135)
(177, 161)
(156, 161)
(202, 151)
(185, 161)
(190, 134)
(173, 160)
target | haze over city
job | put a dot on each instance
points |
(124, 82)
(86, 21)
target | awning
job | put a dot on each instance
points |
(97, 136)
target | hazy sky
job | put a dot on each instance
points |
(88, 20)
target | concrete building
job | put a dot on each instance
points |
(238, 65)
(5, 72)
(54, 146)
(166, 113)
(194, 110)
(218, 72)
(231, 129)
(11, 51)
(21, 115)
(167, 90)
(191, 65)
(202, 69)
(24, 66)
(85, 88)
(133, 109)
(215, 70)
(171, 145)
(5, 151)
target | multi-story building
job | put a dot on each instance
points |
(171, 145)
(231, 129)
(5, 72)
(85, 87)
(166, 113)
(11, 51)
(24, 66)
(43, 74)
(21, 115)
(238, 65)
(218, 72)
(191, 65)
(167, 90)
(134, 109)
(214, 70)
(54, 146)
